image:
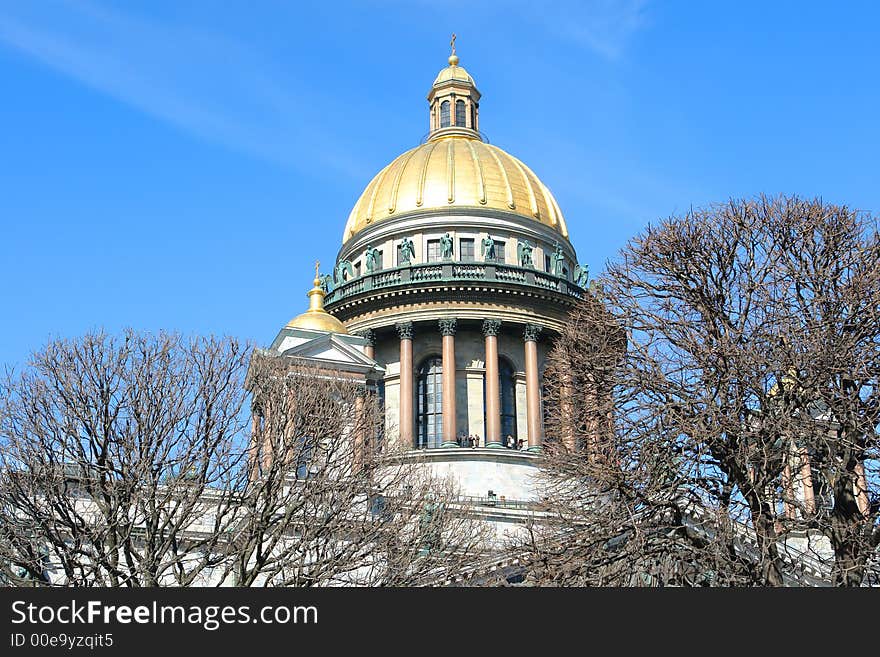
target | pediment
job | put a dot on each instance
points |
(329, 348)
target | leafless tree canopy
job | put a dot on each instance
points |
(109, 446)
(740, 416)
(136, 461)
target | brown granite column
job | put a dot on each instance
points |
(566, 412)
(359, 447)
(788, 508)
(254, 448)
(405, 331)
(447, 330)
(370, 348)
(861, 491)
(806, 479)
(533, 387)
(491, 328)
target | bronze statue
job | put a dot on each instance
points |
(524, 253)
(488, 248)
(446, 247)
(371, 259)
(407, 251)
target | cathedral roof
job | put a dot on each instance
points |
(455, 169)
(455, 172)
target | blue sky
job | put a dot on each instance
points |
(180, 165)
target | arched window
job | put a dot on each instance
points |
(430, 396)
(444, 114)
(507, 381)
(460, 113)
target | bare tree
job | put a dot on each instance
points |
(328, 502)
(111, 449)
(133, 461)
(733, 440)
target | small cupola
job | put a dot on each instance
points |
(454, 101)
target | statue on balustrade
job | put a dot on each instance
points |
(371, 259)
(488, 248)
(558, 261)
(407, 251)
(344, 272)
(446, 247)
(581, 275)
(524, 252)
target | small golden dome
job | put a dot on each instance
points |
(457, 171)
(454, 72)
(316, 318)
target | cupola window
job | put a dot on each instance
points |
(460, 113)
(444, 114)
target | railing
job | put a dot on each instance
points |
(453, 272)
(497, 501)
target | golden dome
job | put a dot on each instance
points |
(454, 72)
(455, 171)
(316, 318)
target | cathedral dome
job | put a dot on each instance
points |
(454, 72)
(455, 172)
(455, 169)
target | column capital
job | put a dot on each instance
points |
(447, 326)
(491, 327)
(404, 330)
(369, 335)
(531, 332)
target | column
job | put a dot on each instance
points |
(491, 328)
(566, 412)
(447, 330)
(254, 448)
(360, 447)
(405, 331)
(788, 494)
(862, 489)
(370, 348)
(533, 387)
(806, 479)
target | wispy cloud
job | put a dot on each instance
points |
(604, 26)
(204, 83)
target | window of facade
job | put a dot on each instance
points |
(547, 264)
(466, 250)
(460, 113)
(444, 114)
(507, 393)
(500, 253)
(433, 250)
(507, 381)
(303, 449)
(429, 390)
